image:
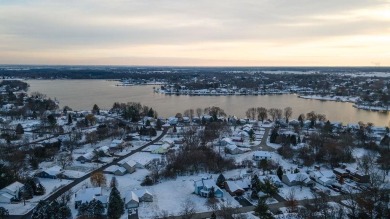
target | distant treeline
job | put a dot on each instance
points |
(119, 72)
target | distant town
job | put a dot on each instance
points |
(129, 162)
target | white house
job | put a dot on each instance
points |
(260, 155)
(294, 179)
(324, 178)
(129, 165)
(116, 170)
(88, 194)
(144, 195)
(131, 200)
(10, 192)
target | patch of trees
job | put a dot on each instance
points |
(14, 85)
(133, 111)
(91, 210)
(147, 131)
(194, 157)
(48, 210)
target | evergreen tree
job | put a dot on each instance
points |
(212, 192)
(52, 210)
(70, 120)
(279, 172)
(3, 213)
(151, 113)
(95, 209)
(113, 182)
(293, 140)
(39, 210)
(221, 181)
(158, 124)
(115, 206)
(213, 216)
(96, 110)
(26, 192)
(262, 210)
(274, 135)
(63, 211)
(19, 129)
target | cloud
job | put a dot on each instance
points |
(180, 29)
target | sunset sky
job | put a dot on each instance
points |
(196, 33)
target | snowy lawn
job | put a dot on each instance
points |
(21, 208)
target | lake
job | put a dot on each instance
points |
(83, 94)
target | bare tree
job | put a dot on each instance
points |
(64, 159)
(98, 179)
(291, 201)
(262, 113)
(367, 162)
(198, 112)
(275, 113)
(65, 197)
(287, 113)
(188, 209)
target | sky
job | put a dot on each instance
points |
(196, 32)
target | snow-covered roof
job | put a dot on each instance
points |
(105, 149)
(233, 186)
(144, 158)
(297, 177)
(116, 142)
(273, 178)
(88, 155)
(129, 162)
(231, 147)
(14, 187)
(131, 196)
(88, 194)
(114, 168)
(142, 192)
(54, 170)
(7, 195)
(262, 154)
(227, 140)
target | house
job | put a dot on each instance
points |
(129, 165)
(116, 144)
(244, 184)
(131, 200)
(204, 186)
(225, 142)
(295, 179)
(232, 149)
(87, 157)
(260, 155)
(144, 159)
(273, 178)
(88, 194)
(10, 192)
(325, 178)
(233, 188)
(162, 149)
(116, 170)
(144, 195)
(340, 173)
(50, 173)
(358, 176)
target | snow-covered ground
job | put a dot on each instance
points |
(50, 185)
(331, 98)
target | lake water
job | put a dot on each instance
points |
(83, 94)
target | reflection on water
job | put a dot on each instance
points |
(82, 94)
